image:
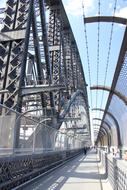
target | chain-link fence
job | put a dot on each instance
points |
(35, 132)
(117, 106)
(115, 170)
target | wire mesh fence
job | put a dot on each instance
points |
(36, 133)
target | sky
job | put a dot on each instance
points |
(75, 13)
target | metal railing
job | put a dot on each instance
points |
(115, 170)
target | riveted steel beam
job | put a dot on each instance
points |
(12, 35)
(28, 90)
(77, 128)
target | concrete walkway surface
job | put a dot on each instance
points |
(82, 173)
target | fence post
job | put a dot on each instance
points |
(115, 173)
(106, 164)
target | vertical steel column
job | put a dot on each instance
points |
(22, 74)
(54, 37)
(37, 54)
(46, 47)
(75, 67)
(68, 60)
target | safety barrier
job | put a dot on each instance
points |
(115, 170)
(35, 133)
(18, 169)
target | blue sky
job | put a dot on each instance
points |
(75, 14)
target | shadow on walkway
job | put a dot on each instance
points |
(80, 170)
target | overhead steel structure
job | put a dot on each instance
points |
(40, 62)
(44, 104)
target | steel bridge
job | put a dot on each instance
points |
(44, 108)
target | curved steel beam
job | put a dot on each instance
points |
(77, 93)
(106, 132)
(109, 127)
(101, 132)
(115, 121)
(93, 19)
(109, 89)
(70, 102)
(96, 129)
(100, 125)
(103, 122)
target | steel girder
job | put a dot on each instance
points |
(54, 39)
(14, 43)
(21, 54)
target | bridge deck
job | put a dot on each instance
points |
(81, 173)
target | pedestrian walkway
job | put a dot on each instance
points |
(82, 173)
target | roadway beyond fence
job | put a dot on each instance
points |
(84, 172)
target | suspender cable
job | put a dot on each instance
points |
(87, 52)
(109, 50)
(98, 50)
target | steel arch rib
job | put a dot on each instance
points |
(77, 93)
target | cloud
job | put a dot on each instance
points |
(74, 7)
(122, 12)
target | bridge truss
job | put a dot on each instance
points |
(40, 66)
